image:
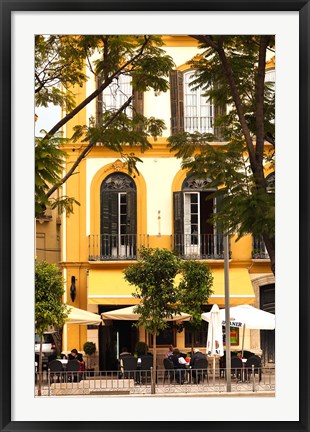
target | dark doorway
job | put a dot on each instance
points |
(267, 303)
(127, 336)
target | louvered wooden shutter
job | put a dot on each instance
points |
(178, 213)
(138, 101)
(131, 212)
(177, 104)
(108, 221)
(99, 110)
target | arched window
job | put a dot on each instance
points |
(118, 217)
(195, 235)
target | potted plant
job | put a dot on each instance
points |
(89, 349)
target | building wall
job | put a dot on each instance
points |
(160, 176)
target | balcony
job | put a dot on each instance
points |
(110, 247)
(259, 250)
(199, 124)
(202, 246)
(114, 247)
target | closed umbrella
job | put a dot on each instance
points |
(215, 336)
(246, 316)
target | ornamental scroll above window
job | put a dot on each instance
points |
(195, 183)
(119, 182)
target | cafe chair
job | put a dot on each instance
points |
(169, 370)
(200, 370)
(73, 371)
(236, 367)
(257, 363)
(129, 366)
(144, 368)
(56, 370)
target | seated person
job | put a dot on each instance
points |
(197, 355)
(170, 351)
(198, 374)
(75, 355)
(124, 352)
(178, 363)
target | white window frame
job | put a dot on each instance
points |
(117, 93)
(198, 111)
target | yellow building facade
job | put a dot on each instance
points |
(161, 207)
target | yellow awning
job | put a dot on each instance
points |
(110, 287)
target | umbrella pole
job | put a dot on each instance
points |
(227, 311)
(213, 371)
(243, 341)
(117, 345)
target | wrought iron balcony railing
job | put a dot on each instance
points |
(259, 250)
(203, 246)
(106, 247)
(112, 247)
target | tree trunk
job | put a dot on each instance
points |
(40, 368)
(255, 155)
(153, 391)
(270, 246)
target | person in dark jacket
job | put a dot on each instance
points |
(197, 355)
(176, 359)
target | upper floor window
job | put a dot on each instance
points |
(190, 110)
(198, 111)
(116, 94)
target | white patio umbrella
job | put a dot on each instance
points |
(82, 317)
(128, 314)
(215, 336)
(246, 316)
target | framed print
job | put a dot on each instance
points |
(21, 407)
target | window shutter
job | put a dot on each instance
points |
(138, 102)
(131, 212)
(219, 111)
(99, 110)
(176, 100)
(218, 203)
(132, 221)
(178, 212)
(108, 221)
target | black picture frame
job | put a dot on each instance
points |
(7, 7)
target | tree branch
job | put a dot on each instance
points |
(87, 149)
(99, 90)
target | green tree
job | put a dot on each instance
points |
(49, 309)
(153, 275)
(194, 290)
(231, 71)
(59, 69)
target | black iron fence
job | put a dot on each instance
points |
(133, 382)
